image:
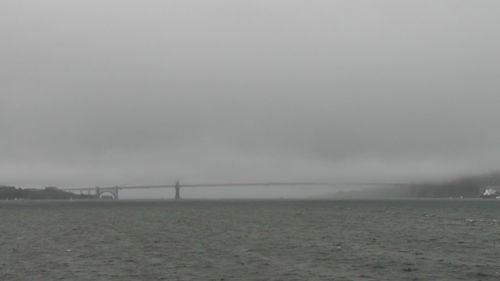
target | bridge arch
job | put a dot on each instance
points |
(106, 193)
(113, 191)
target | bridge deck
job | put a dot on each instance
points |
(239, 185)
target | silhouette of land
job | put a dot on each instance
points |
(15, 193)
(463, 187)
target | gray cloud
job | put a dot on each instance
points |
(105, 92)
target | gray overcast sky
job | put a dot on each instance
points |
(132, 92)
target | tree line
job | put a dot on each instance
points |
(15, 193)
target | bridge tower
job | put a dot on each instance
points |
(177, 190)
(116, 193)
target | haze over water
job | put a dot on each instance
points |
(126, 92)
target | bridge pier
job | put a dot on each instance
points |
(177, 191)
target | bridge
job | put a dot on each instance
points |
(113, 191)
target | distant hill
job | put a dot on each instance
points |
(466, 187)
(13, 193)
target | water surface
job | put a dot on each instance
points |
(250, 240)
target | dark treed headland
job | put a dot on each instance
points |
(13, 193)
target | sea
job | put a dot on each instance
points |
(253, 240)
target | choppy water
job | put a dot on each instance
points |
(251, 240)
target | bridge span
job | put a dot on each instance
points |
(114, 191)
